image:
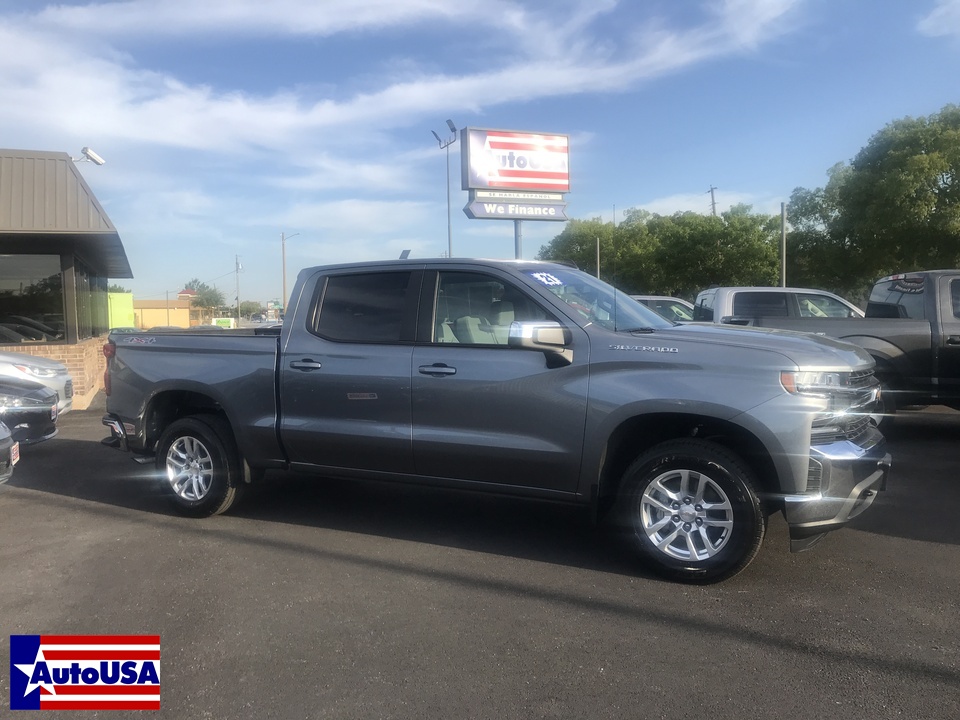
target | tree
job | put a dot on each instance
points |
(696, 251)
(207, 298)
(678, 254)
(902, 199)
(894, 208)
(250, 307)
(577, 243)
(115, 288)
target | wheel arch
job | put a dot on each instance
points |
(636, 435)
(170, 405)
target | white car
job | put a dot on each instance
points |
(40, 370)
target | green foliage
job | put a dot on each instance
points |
(250, 307)
(894, 208)
(676, 255)
(115, 288)
(207, 297)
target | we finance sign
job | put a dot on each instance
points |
(512, 160)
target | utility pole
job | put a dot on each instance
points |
(239, 267)
(713, 201)
(783, 244)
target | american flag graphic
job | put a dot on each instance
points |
(527, 161)
(84, 672)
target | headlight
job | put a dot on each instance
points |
(849, 397)
(10, 401)
(37, 371)
(813, 382)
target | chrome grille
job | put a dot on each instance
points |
(814, 476)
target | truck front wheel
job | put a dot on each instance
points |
(691, 509)
(200, 465)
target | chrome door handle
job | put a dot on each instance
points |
(305, 364)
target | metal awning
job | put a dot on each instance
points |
(47, 207)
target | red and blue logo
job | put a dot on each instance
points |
(84, 672)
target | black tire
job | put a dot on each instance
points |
(692, 511)
(199, 466)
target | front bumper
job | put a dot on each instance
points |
(843, 481)
(9, 454)
(30, 425)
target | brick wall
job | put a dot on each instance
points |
(85, 361)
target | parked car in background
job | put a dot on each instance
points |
(28, 409)
(911, 328)
(31, 328)
(9, 336)
(9, 453)
(669, 307)
(50, 373)
(745, 305)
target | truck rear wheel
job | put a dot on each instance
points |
(691, 509)
(200, 465)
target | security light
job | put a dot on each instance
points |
(92, 156)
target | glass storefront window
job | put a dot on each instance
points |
(92, 310)
(31, 299)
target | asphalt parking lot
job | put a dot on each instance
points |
(326, 599)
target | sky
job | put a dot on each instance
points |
(228, 125)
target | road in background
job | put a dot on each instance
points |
(330, 599)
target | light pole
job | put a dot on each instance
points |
(239, 268)
(445, 145)
(283, 262)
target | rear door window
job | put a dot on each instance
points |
(367, 308)
(703, 309)
(760, 304)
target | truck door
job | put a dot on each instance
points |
(345, 372)
(486, 412)
(948, 359)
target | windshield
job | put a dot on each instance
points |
(596, 302)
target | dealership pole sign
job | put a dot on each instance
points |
(515, 175)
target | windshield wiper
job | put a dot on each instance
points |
(638, 330)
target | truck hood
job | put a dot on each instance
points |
(803, 349)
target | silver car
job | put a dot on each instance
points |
(47, 372)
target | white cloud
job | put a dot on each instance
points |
(944, 19)
(66, 81)
(255, 17)
(198, 160)
(698, 203)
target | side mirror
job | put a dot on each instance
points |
(550, 338)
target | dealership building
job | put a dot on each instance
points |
(58, 248)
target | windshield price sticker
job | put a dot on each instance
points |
(547, 279)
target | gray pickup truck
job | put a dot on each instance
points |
(911, 328)
(520, 378)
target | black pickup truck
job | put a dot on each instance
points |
(911, 328)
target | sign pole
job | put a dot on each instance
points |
(518, 239)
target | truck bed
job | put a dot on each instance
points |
(236, 368)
